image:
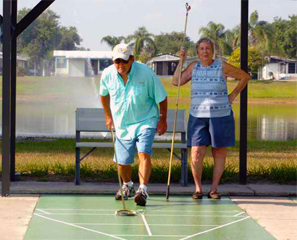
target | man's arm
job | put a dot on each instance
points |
(105, 100)
(162, 124)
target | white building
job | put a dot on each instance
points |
(164, 64)
(81, 63)
(21, 61)
(279, 68)
(189, 60)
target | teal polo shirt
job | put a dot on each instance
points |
(134, 105)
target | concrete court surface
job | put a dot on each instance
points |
(278, 215)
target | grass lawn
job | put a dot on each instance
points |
(256, 88)
(54, 160)
(262, 90)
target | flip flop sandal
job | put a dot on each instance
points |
(197, 195)
(214, 195)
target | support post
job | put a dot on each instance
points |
(13, 88)
(6, 97)
(9, 81)
(243, 94)
(32, 15)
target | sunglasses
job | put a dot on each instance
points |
(119, 60)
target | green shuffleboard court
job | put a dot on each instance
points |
(61, 217)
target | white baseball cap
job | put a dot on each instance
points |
(123, 51)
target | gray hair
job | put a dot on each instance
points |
(207, 40)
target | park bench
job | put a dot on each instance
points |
(93, 120)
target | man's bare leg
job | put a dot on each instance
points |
(125, 172)
(144, 173)
(144, 170)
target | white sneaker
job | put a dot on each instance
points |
(127, 192)
(140, 197)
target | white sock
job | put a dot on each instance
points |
(143, 187)
(129, 184)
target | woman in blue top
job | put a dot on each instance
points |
(211, 120)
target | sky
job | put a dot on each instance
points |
(95, 19)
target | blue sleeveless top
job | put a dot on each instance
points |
(209, 94)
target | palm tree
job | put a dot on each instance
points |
(260, 36)
(112, 41)
(233, 37)
(142, 41)
(259, 31)
(217, 33)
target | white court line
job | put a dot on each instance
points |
(112, 210)
(150, 215)
(212, 229)
(173, 211)
(146, 225)
(236, 215)
(80, 209)
(42, 211)
(196, 215)
(83, 214)
(187, 215)
(73, 225)
(151, 224)
(151, 237)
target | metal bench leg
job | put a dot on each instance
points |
(77, 166)
(184, 167)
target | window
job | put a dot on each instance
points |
(104, 63)
(282, 68)
(61, 62)
(292, 68)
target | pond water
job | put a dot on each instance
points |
(50, 111)
(269, 121)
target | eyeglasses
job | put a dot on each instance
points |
(119, 60)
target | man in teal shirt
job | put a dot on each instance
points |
(130, 92)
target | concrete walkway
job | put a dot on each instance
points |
(274, 207)
(277, 215)
(15, 216)
(272, 190)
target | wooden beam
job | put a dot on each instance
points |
(32, 15)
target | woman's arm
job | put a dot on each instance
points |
(186, 75)
(234, 72)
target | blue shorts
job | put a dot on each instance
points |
(125, 149)
(217, 132)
